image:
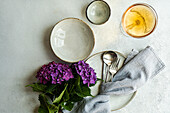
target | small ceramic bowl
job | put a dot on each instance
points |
(98, 12)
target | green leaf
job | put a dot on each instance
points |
(91, 85)
(71, 88)
(77, 85)
(67, 106)
(37, 87)
(75, 98)
(86, 91)
(51, 88)
(45, 107)
(83, 91)
(98, 79)
(80, 89)
(80, 94)
(57, 99)
(66, 96)
(41, 109)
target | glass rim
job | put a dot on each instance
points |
(155, 17)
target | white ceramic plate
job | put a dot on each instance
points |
(72, 40)
(116, 102)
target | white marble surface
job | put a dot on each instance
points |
(25, 26)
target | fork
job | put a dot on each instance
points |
(113, 69)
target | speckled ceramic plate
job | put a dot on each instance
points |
(116, 102)
(72, 40)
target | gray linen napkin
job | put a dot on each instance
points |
(138, 68)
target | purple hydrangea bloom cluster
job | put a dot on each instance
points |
(54, 73)
(86, 72)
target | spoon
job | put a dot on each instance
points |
(108, 58)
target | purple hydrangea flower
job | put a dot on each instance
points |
(54, 73)
(86, 72)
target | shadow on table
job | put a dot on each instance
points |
(36, 109)
(83, 11)
(32, 99)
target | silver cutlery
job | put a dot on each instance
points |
(113, 69)
(108, 57)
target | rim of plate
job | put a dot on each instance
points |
(134, 94)
(97, 1)
(69, 19)
(151, 8)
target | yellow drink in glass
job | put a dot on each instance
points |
(139, 20)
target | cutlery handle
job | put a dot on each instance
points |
(107, 72)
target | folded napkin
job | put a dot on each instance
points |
(138, 68)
